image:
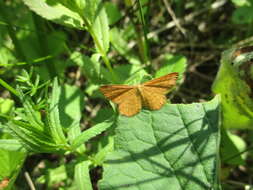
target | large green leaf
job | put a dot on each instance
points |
(176, 147)
(236, 94)
(56, 12)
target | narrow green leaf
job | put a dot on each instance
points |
(100, 28)
(92, 132)
(54, 121)
(11, 145)
(70, 105)
(34, 142)
(82, 176)
(56, 12)
(91, 10)
(31, 115)
(176, 147)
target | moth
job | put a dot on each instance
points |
(131, 98)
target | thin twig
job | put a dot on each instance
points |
(236, 183)
(174, 18)
(29, 181)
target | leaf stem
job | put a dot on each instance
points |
(8, 87)
(103, 54)
(146, 55)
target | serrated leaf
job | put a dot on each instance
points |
(91, 10)
(54, 121)
(70, 105)
(11, 145)
(100, 28)
(82, 176)
(33, 141)
(92, 132)
(56, 12)
(176, 147)
(31, 115)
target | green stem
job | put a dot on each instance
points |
(145, 32)
(38, 60)
(103, 54)
(8, 87)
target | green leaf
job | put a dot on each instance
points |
(6, 105)
(11, 145)
(113, 12)
(82, 176)
(176, 147)
(54, 122)
(33, 139)
(32, 116)
(130, 73)
(100, 28)
(230, 82)
(243, 15)
(56, 12)
(92, 132)
(241, 2)
(102, 114)
(11, 162)
(90, 66)
(231, 146)
(54, 176)
(172, 63)
(70, 105)
(121, 46)
(91, 10)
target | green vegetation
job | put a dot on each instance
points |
(57, 130)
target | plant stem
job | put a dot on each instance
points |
(8, 87)
(146, 55)
(103, 54)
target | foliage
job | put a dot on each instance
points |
(58, 132)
